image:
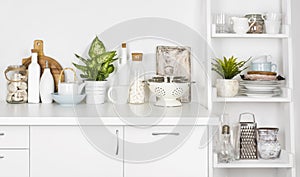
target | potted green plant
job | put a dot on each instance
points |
(96, 70)
(228, 68)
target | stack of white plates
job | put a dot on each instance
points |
(260, 89)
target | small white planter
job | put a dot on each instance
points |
(227, 87)
(95, 92)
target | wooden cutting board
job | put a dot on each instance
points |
(54, 66)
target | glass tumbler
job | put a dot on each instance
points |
(268, 144)
(220, 21)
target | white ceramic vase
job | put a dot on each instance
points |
(227, 87)
(95, 92)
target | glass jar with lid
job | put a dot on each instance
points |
(16, 76)
(256, 23)
(137, 85)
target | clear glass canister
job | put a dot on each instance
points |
(268, 144)
(256, 23)
(137, 85)
(16, 76)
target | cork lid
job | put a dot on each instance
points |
(123, 45)
(225, 129)
(137, 56)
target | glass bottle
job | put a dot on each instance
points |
(137, 85)
(226, 152)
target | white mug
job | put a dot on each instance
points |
(241, 24)
(118, 94)
(272, 26)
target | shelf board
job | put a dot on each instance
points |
(284, 98)
(285, 161)
(232, 35)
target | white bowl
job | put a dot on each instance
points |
(168, 92)
(68, 99)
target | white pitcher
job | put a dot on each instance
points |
(241, 24)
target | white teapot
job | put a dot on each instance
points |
(69, 88)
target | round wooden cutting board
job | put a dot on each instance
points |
(54, 66)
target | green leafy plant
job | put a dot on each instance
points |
(100, 64)
(228, 68)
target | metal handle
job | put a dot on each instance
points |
(117, 149)
(1, 157)
(247, 113)
(2, 134)
(158, 134)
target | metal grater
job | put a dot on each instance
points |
(248, 142)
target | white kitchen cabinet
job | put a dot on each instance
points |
(14, 163)
(14, 137)
(169, 151)
(14, 152)
(74, 151)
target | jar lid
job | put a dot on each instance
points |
(137, 56)
(254, 15)
(267, 129)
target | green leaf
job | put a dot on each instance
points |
(97, 48)
(80, 67)
(228, 68)
(104, 57)
(85, 61)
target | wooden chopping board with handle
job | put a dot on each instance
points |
(54, 66)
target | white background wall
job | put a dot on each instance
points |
(296, 44)
(68, 27)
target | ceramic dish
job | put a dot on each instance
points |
(259, 95)
(261, 87)
(68, 99)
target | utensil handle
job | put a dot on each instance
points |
(247, 113)
(158, 134)
(61, 73)
(2, 134)
(118, 144)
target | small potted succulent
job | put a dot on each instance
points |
(96, 70)
(228, 68)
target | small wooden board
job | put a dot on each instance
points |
(54, 66)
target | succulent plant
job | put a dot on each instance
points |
(228, 68)
(100, 64)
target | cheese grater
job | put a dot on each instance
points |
(247, 137)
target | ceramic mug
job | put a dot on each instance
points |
(266, 66)
(241, 24)
(118, 94)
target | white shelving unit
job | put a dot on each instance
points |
(277, 111)
(285, 97)
(286, 160)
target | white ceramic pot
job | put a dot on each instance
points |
(95, 92)
(227, 87)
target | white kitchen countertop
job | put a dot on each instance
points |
(104, 114)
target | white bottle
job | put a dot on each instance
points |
(34, 71)
(123, 68)
(46, 85)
